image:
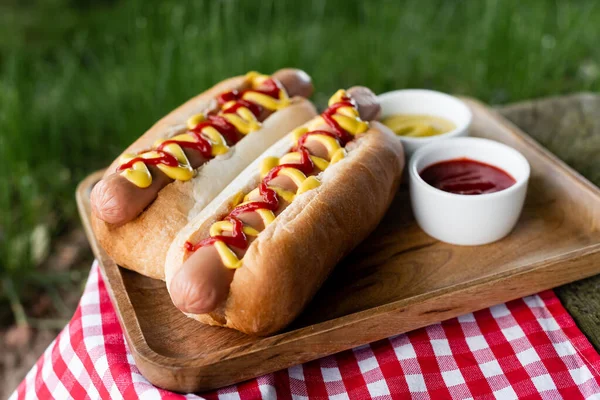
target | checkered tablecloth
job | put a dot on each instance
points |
(527, 349)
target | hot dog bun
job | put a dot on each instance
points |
(290, 259)
(141, 244)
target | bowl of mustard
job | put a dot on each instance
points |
(420, 116)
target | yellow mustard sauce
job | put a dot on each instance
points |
(345, 117)
(413, 125)
(167, 153)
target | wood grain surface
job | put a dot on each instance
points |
(399, 279)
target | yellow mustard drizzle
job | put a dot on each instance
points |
(418, 125)
(348, 118)
(242, 119)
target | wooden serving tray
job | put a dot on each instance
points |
(397, 280)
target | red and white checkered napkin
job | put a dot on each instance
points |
(528, 348)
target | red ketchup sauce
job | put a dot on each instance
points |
(269, 199)
(270, 87)
(466, 176)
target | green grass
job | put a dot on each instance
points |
(78, 83)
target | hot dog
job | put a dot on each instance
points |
(254, 257)
(117, 199)
(180, 164)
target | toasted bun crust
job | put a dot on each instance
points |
(287, 263)
(141, 245)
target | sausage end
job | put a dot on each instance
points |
(106, 203)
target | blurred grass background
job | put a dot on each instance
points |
(81, 79)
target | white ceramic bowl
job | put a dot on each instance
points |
(468, 219)
(426, 102)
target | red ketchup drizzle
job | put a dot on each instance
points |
(201, 145)
(228, 130)
(225, 128)
(269, 87)
(237, 239)
(254, 108)
(269, 200)
(164, 158)
(343, 136)
(466, 176)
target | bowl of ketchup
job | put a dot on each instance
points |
(468, 191)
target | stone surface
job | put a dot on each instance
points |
(569, 126)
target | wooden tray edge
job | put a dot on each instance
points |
(111, 276)
(388, 322)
